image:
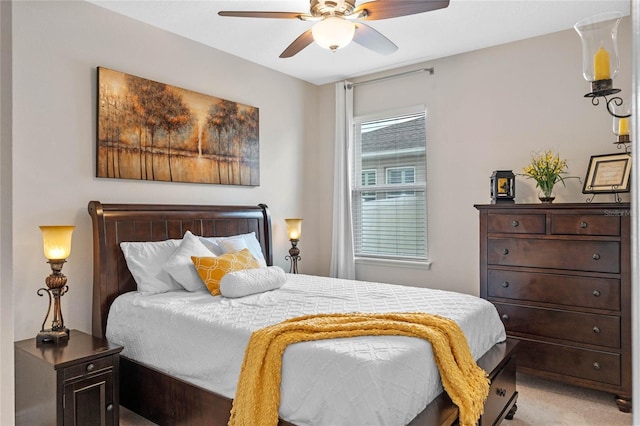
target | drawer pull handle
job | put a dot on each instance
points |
(90, 367)
(109, 408)
(596, 256)
(583, 224)
(596, 293)
(505, 317)
(505, 251)
(515, 223)
(505, 284)
(596, 366)
(596, 329)
(501, 392)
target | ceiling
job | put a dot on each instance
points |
(464, 26)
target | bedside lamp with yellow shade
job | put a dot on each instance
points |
(294, 231)
(57, 248)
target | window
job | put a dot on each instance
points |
(399, 175)
(390, 217)
(369, 177)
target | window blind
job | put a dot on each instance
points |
(389, 213)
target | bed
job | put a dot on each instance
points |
(166, 399)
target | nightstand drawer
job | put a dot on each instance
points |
(563, 360)
(579, 327)
(90, 367)
(570, 224)
(588, 292)
(597, 256)
(516, 223)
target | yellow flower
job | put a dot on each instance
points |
(546, 169)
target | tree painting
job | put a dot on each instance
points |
(153, 131)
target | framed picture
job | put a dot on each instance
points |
(154, 131)
(608, 174)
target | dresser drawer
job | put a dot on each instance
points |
(597, 256)
(586, 364)
(516, 223)
(588, 292)
(602, 330)
(574, 224)
(503, 387)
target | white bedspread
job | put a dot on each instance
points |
(371, 380)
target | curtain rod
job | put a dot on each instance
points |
(388, 77)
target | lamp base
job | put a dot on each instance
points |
(52, 336)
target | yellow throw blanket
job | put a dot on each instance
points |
(258, 393)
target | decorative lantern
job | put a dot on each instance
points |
(503, 187)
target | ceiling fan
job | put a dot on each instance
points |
(337, 22)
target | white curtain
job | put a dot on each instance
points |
(342, 257)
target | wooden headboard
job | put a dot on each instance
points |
(115, 223)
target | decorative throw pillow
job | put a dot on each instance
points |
(212, 269)
(221, 245)
(145, 261)
(180, 266)
(251, 281)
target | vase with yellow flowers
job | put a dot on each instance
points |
(547, 169)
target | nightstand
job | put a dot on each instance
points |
(73, 383)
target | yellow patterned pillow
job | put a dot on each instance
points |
(212, 269)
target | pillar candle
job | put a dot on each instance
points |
(623, 126)
(601, 69)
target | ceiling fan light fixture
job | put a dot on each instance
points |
(333, 32)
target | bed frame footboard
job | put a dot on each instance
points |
(167, 400)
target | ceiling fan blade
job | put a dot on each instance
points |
(373, 39)
(305, 39)
(247, 14)
(381, 9)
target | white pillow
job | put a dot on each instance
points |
(251, 281)
(145, 261)
(180, 266)
(215, 244)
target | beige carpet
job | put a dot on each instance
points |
(541, 402)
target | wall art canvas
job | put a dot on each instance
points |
(153, 131)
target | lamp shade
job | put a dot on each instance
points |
(294, 228)
(333, 32)
(599, 36)
(56, 241)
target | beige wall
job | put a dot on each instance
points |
(6, 282)
(57, 47)
(487, 110)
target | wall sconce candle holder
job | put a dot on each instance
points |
(600, 61)
(601, 64)
(294, 231)
(57, 247)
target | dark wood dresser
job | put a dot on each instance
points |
(560, 278)
(74, 383)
